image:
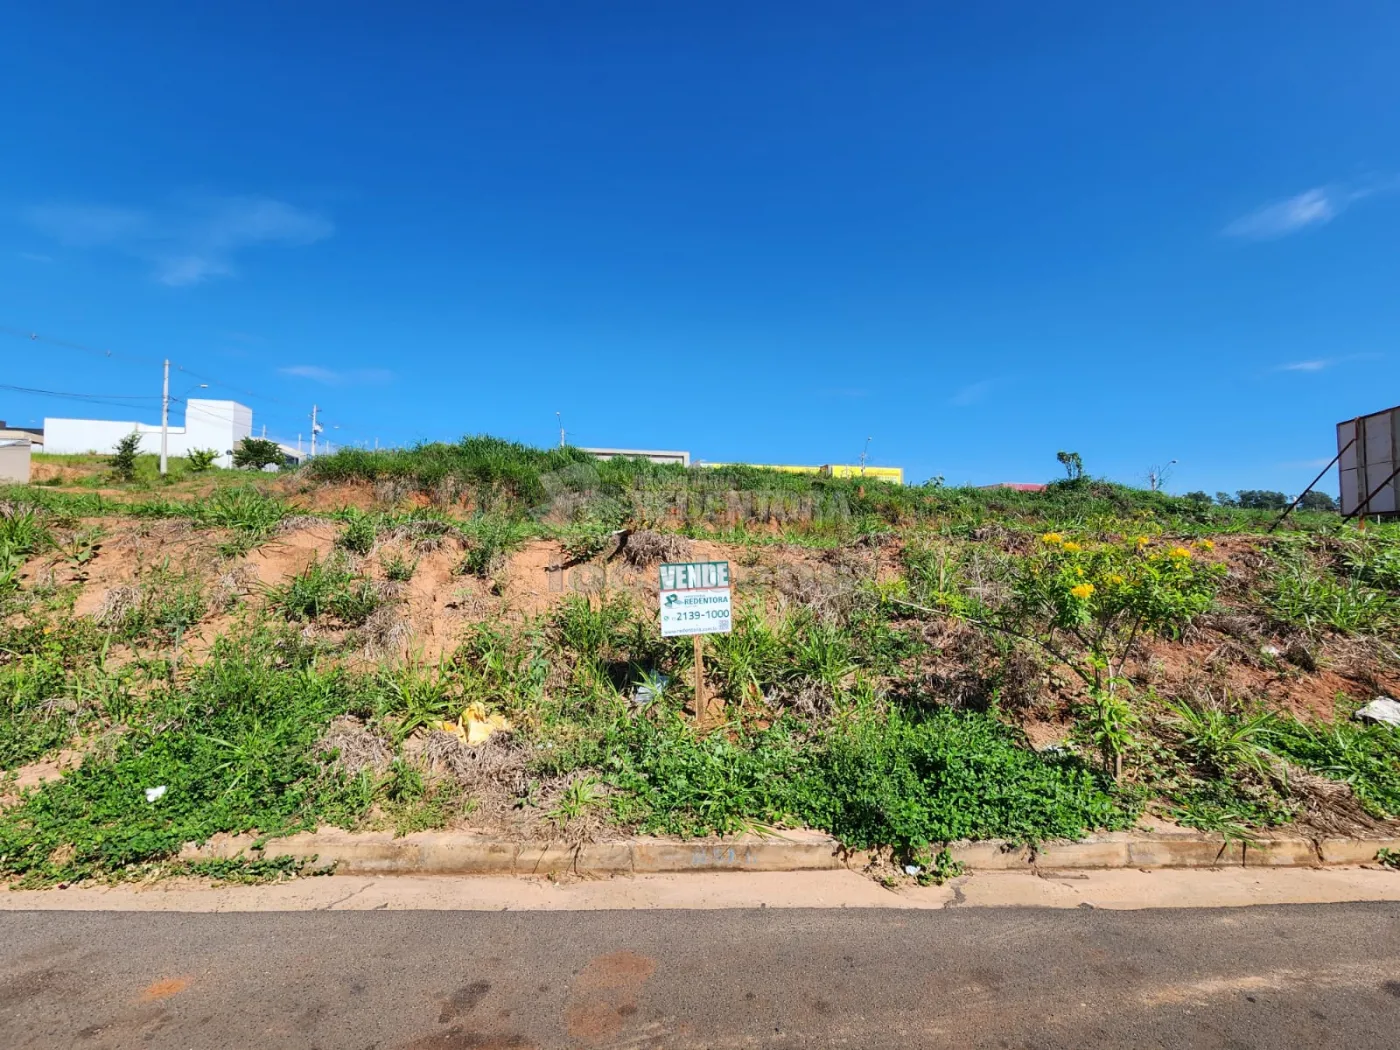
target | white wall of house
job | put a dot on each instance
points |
(219, 425)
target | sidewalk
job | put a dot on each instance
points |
(1117, 890)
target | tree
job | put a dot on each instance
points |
(1260, 499)
(1073, 464)
(1318, 501)
(1225, 499)
(201, 459)
(124, 456)
(256, 453)
(1197, 497)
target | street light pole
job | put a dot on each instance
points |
(165, 419)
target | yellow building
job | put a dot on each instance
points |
(894, 475)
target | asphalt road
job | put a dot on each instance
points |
(1298, 976)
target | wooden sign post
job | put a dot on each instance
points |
(701, 704)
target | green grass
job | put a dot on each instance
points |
(326, 587)
(880, 777)
(1365, 757)
(233, 750)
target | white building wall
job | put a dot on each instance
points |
(219, 425)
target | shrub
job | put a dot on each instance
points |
(201, 459)
(123, 460)
(1086, 604)
(255, 453)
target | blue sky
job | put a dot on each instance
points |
(759, 232)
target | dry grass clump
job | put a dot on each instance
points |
(498, 761)
(299, 523)
(232, 584)
(828, 593)
(159, 531)
(423, 537)
(644, 548)
(350, 746)
(117, 605)
(1330, 808)
(393, 490)
(385, 633)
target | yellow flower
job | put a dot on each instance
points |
(1179, 552)
(1079, 571)
(48, 630)
(1115, 579)
(1143, 541)
(1083, 591)
(1052, 538)
(1206, 545)
(1073, 547)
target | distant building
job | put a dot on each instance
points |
(1017, 486)
(35, 435)
(652, 454)
(894, 475)
(219, 425)
(14, 461)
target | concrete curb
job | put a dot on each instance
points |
(457, 853)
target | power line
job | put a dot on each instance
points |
(32, 336)
(87, 399)
(67, 393)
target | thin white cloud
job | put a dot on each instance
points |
(331, 377)
(35, 257)
(972, 393)
(1319, 364)
(1315, 207)
(186, 244)
(1306, 464)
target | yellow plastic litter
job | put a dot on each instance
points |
(476, 725)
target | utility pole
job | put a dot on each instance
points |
(863, 453)
(314, 428)
(165, 419)
(560, 418)
(1157, 476)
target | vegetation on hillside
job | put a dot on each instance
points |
(909, 666)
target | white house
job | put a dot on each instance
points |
(219, 425)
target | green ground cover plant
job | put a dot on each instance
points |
(232, 749)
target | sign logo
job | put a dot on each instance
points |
(695, 598)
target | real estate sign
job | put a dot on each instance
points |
(695, 598)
